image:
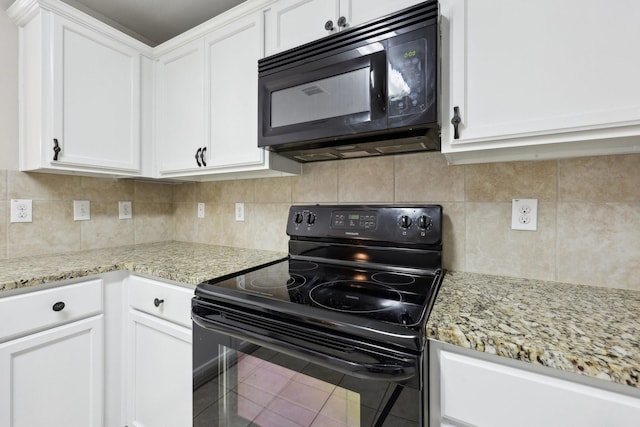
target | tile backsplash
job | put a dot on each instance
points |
(588, 211)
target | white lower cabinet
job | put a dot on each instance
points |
(159, 390)
(52, 375)
(470, 391)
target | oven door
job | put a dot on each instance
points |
(339, 95)
(240, 383)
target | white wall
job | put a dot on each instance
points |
(8, 91)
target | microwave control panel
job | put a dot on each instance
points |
(406, 80)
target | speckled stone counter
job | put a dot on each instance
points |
(583, 329)
(188, 263)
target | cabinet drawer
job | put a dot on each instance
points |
(169, 302)
(26, 313)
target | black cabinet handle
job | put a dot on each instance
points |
(56, 149)
(59, 306)
(198, 157)
(329, 25)
(202, 154)
(455, 121)
(157, 302)
(342, 22)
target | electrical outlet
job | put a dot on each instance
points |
(21, 210)
(524, 214)
(239, 211)
(200, 210)
(124, 210)
(81, 210)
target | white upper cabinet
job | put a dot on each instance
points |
(180, 93)
(535, 80)
(207, 103)
(80, 93)
(291, 23)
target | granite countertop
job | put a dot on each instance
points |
(588, 330)
(583, 329)
(187, 263)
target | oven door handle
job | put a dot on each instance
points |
(395, 369)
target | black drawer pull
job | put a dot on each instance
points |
(157, 302)
(59, 306)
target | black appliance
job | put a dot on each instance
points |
(336, 329)
(364, 91)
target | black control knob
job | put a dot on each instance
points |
(299, 218)
(424, 221)
(311, 218)
(405, 221)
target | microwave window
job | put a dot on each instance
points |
(336, 96)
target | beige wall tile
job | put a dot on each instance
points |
(366, 180)
(104, 189)
(153, 192)
(453, 236)
(4, 220)
(270, 225)
(599, 244)
(237, 191)
(501, 182)
(493, 248)
(3, 185)
(317, 184)
(184, 221)
(426, 177)
(600, 179)
(153, 222)
(43, 186)
(209, 192)
(184, 192)
(105, 229)
(273, 190)
(209, 229)
(53, 230)
(239, 234)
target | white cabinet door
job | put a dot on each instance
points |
(232, 55)
(80, 94)
(359, 11)
(528, 77)
(96, 98)
(160, 373)
(476, 392)
(180, 128)
(291, 23)
(54, 378)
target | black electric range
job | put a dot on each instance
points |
(355, 291)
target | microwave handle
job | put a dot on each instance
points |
(378, 80)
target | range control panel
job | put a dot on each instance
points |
(399, 224)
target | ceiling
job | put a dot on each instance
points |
(151, 21)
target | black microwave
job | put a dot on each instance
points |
(368, 90)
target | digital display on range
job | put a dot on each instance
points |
(354, 220)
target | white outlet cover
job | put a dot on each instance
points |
(524, 214)
(239, 211)
(81, 210)
(200, 210)
(124, 210)
(21, 210)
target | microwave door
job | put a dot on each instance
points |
(340, 95)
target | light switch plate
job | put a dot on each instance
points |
(239, 211)
(81, 210)
(21, 210)
(124, 210)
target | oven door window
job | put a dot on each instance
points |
(332, 96)
(253, 386)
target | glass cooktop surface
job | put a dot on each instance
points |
(395, 297)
